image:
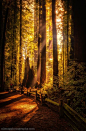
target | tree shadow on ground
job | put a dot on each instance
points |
(39, 118)
(2, 104)
(45, 119)
(6, 94)
(14, 111)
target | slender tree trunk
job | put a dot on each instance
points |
(20, 68)
(43, 46)
(15, 32)
(14, 35)
(36, 30)
(36, 21)
(72, 33)
(63, 53)
(67, 31)
(55, 55)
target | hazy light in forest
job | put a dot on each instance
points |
(60, 50)
(27, 33)
(58, 20)
(49, 45)
(56, 11)
(51, 59)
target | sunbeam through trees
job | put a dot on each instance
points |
(46, 37)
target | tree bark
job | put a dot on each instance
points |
(55, 55)
(67, 32)
(20, 68)
(43, 46)
(36, 33)
(39, 42)
(2, 53)
(79, 18)
(1, 21)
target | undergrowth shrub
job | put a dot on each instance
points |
(75, 80)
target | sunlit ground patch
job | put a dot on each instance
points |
(23, 107)
(7, 114)
(9, 98)
(19, 109)
(2, 93)
(30, 115)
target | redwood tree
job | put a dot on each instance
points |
(3, 46)
(43, 46)
(55, 55)
(79, 19)
(20, 68)
(39, 41)
(1, 21)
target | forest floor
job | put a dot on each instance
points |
(20, 112)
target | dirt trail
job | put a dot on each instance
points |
(19, 112)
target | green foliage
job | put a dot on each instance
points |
(50, 89)
(74, 85)
(75, 80)
(74, 76)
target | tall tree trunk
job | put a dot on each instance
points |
(39, 42)
(14, 35)
(79, 18)
(20, 68)
(55, 55)
(43, 46)
(67, 31)
(3, 46)
(63, 53)
(36, 31)
(14, 41)
(72, 33)
(1, 21)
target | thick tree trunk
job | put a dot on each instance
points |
(43, 46)
(55, 55)
(14, 37)
(1, 21)
(79, 18)
(13, 74)
(39, 42)
(2, 53)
